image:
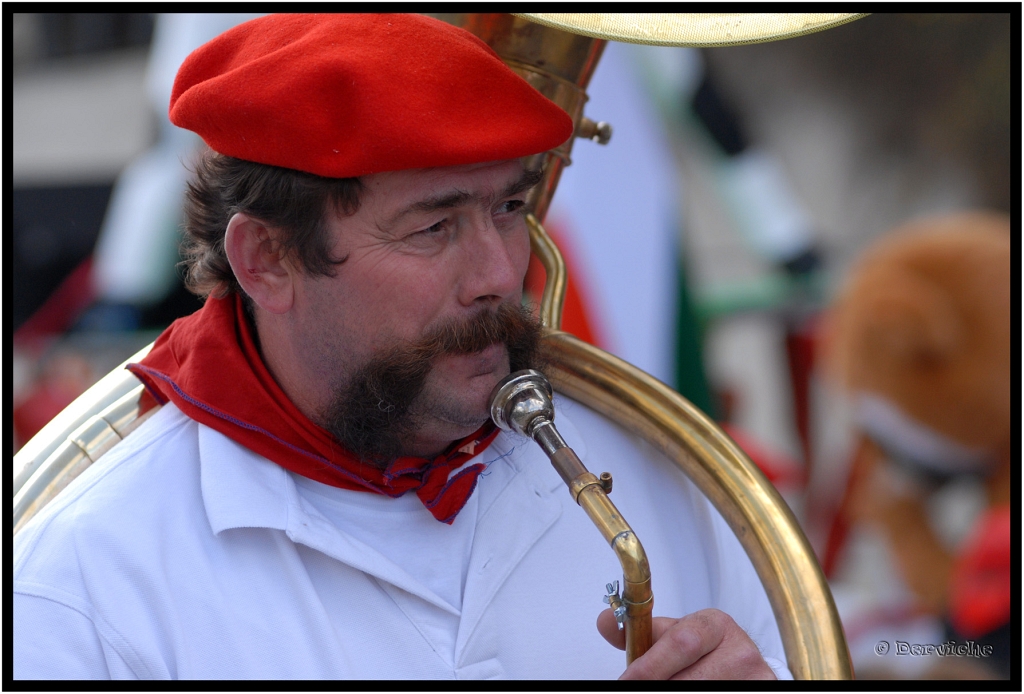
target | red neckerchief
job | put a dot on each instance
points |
(208, 365)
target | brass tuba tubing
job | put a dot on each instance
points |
(521, 402)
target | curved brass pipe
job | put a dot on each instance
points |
(103, 393)
(553, 298)
(806, 614)
(637, 596)
(522, 403)
(78, 449)
(86, 429)
(808, 621)
(585, 487)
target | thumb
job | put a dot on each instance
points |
(609, 629)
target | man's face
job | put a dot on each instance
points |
(429, 253)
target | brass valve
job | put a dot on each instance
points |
(599, 131)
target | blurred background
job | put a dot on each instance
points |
(705, 241)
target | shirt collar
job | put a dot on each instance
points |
(242, 489)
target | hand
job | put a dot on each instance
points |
(705, 645)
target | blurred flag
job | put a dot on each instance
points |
(616, 217)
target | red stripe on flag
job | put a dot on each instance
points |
(62, 308)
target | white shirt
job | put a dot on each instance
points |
(181, 554)
(435, 553)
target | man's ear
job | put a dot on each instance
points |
(259, 264)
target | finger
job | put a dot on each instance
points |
(736, 658)
(609, 629)
(713, 667)
(679, 646)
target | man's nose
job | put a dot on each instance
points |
(494, 268)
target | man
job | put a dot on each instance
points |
(359, 231)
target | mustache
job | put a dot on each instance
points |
(507, 324)
(371, 415)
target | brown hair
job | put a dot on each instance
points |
(292, 202)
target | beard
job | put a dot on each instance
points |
(374, 414)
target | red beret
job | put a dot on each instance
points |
(344, 95)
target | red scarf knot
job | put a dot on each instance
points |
(208, 365)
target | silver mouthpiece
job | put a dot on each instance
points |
(522, 401)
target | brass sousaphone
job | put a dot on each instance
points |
(557, 54)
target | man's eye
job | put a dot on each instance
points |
(433, 228)
(511, 206)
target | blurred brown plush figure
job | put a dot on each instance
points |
(920, 338)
